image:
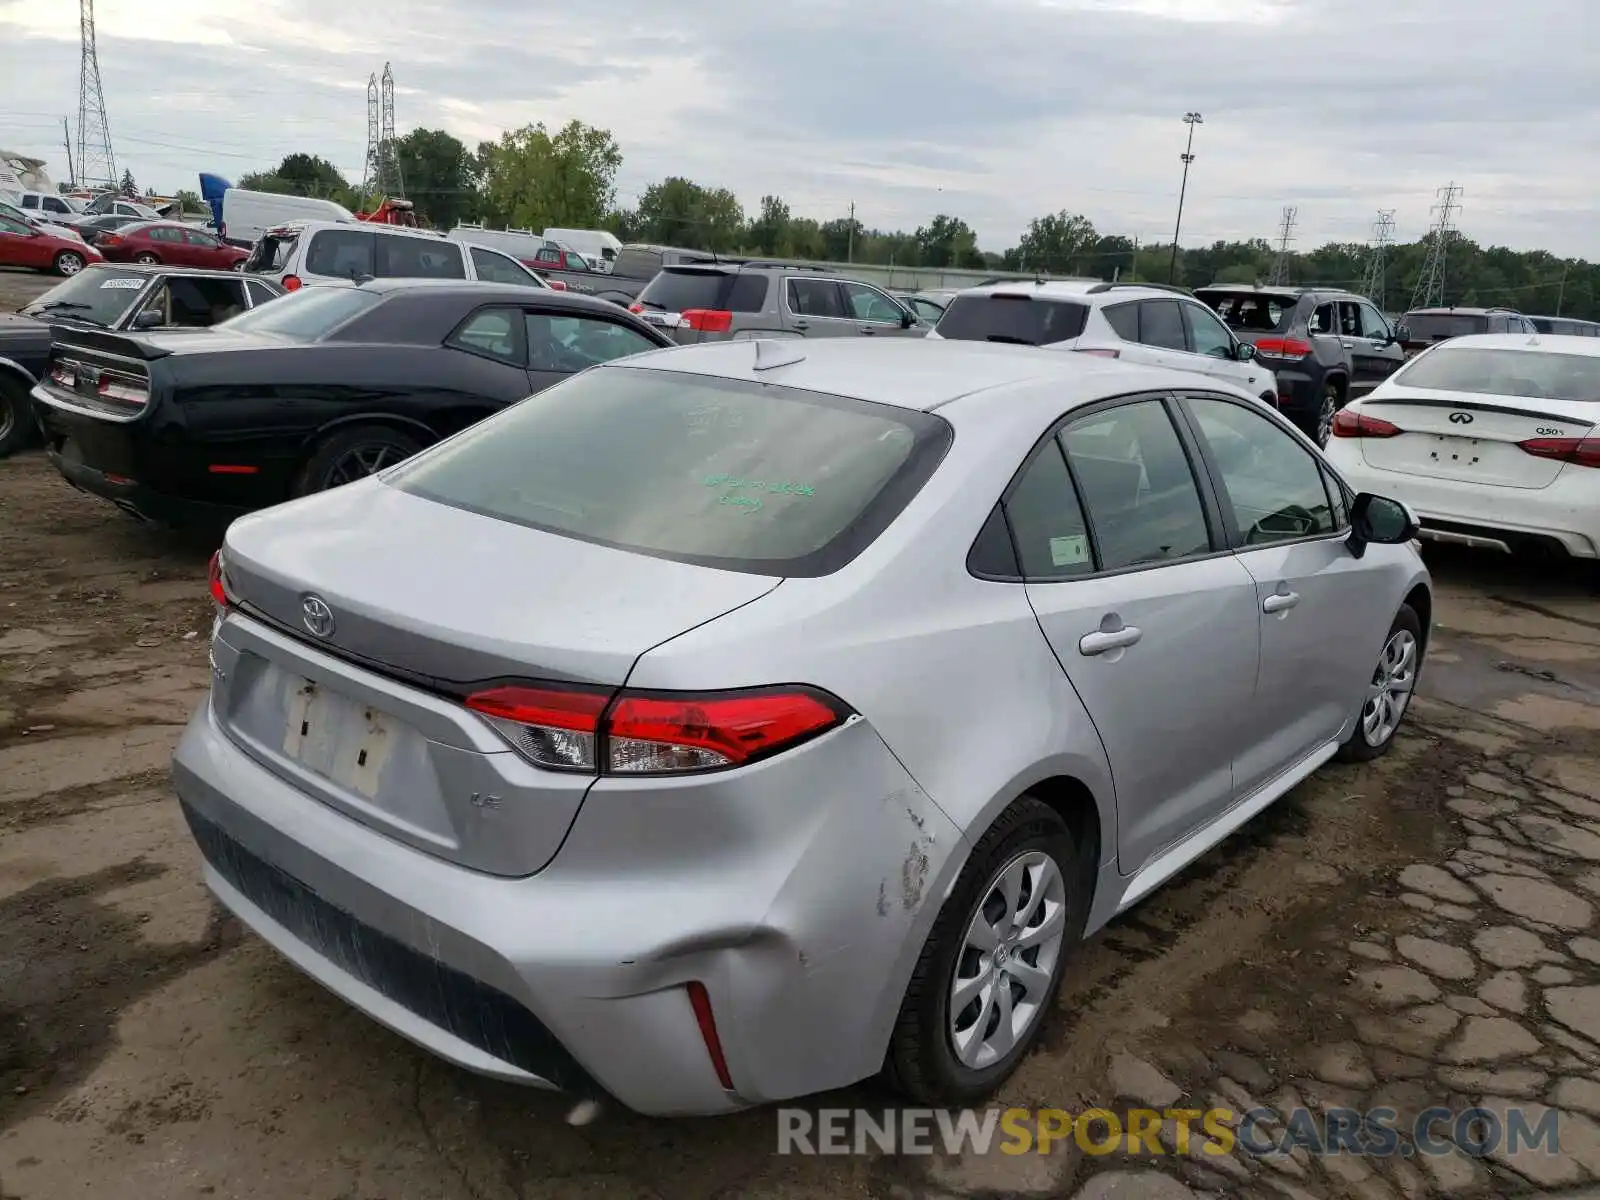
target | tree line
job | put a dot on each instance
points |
(536, 178)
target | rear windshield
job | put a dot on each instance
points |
(98, 295)
(1428, 327)
(271, 253)
(677, 290)
(1252, 311)
(637, 264)
(1505, 372)
(734, 474)
(1024, 320)
(307, 315)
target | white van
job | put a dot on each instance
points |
(599, 248)
(246, 215)
(520, 244)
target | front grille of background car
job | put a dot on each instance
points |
(473, 1011)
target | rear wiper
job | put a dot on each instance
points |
(1008, 339)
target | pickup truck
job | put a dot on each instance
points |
(636, 266)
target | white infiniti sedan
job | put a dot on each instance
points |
(1489, 438)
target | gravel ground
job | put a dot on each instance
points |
(1419, 931)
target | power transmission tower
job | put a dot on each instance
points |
(1280, 264)
(390, 183)
(96, 165)
(1373, 284)
(370, 173)
(1429, 292)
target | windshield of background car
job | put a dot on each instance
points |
(1025, 320)
(1493, 371)
(99, 295)
(1426, 327)
(1251, 312)
(678, 290)
(271, 252)
(307, 315)
(734, 474)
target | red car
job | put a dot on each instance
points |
(25, 245)
(172, 243)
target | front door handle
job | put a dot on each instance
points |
(1102, 641)
(1348, 345)
(802, 324)
(866, 329)
(1280, 601)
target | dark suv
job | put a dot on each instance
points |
(1324, 345)
(1426, 326)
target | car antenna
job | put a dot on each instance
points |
(776, 352)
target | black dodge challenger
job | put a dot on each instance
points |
(110, 296)
(322, 387)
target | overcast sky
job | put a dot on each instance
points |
(993, 110)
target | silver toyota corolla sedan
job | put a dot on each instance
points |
(736, 722)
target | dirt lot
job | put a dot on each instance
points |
(1413, 933)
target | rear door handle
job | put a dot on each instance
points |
(1101, 642)
(1348, 345)
(868, 330)
(1280, 601)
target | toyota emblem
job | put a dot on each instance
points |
(317, 616)
(1460, 418)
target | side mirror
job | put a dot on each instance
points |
(1244, 352)
(907, 318)
(1380, 521)
(1402, 333)
(148, 319)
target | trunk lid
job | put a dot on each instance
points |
(426, 601)
(1472, 438)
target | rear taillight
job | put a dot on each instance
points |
(218, 581)
(1283, 347)
(109, 239)
(291, 283)
(64, 376)
(1347, 424)
(555, 285)
(636, 308)
(1582, 452)
(653, 733)
(123, 391)
(708, 320)
(1102, 353)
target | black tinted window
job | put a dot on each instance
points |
(344, 253)
(1052, 538)
(1135, 478)
(260, 293)
(815, 298)
(1024, 320)
(1427, 327)
(419, 258)
(1161, 324)
(204, 301)
(733, 474)
(1124, 318)
(729, 291)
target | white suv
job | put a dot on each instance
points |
(306, 253)
(1138, 322)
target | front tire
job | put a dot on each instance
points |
(348, 455)
(1388, 696)
(68, 263)
(16, 426)
(146, 259)
(989, 973)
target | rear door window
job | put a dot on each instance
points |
(199, 301)
(493, 332)
(734, 474)
(419, 258)
(260, 293)
(1161, 325)
(342, 253)
(1018, 319)
(497, 268)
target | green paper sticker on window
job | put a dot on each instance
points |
(1069, 551)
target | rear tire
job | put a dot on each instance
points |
(16, 419)
(353, 453)
(923, 1062)
(68, 263)
(1332, 401)
(1389, 693)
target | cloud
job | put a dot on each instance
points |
(995, 110)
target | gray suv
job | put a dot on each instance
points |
(1325, 345)
(712, 302)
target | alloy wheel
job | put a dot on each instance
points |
(359, 462)
(1390, 690)
(8, 417)
(69, 264)
(1326, 414)
(1007, 960)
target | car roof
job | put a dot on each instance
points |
(911, 373)
(159, 269)
(1463, 309)
(1087, 291)
(313, 226)
(512, 293)
(1552, 343)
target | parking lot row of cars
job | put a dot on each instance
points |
(697, 703)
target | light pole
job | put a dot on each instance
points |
(1191, 119)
